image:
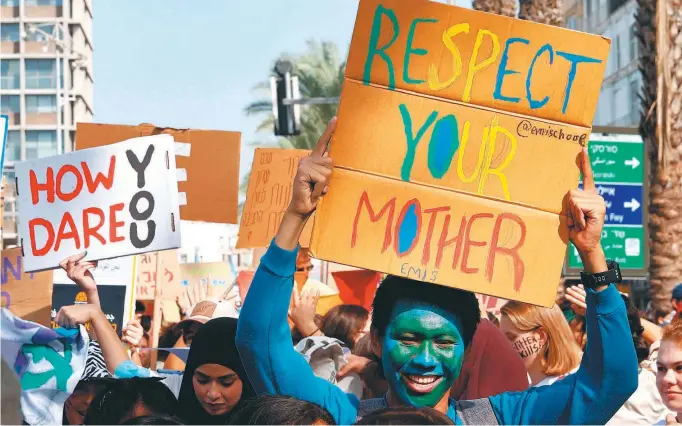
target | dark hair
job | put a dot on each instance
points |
(161, 419)
(279, 410)
(636, 330)
(344, 322)
(402, 415)
(90, 386)
(116, 403)
(297, 336)
(139, 307)
(462, 304)
(146, 322)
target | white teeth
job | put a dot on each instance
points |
(423, 380)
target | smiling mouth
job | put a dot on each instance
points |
(421, 384)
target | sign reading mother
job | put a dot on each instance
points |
(457, 139)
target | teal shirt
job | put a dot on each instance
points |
(605, 380)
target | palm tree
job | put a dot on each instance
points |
(542, 11)
(659, 27)
(498, 7)
(320, 73)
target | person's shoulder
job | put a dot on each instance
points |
(172, 379)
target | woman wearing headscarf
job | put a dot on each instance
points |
(214, 381)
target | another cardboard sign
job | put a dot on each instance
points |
(268, 196)
(217, 275)
(26, 295)
(457, 139)
(112, 300)
(145, 269)
(207, 161)
(112, 201)
(357, 287)
(119, 273)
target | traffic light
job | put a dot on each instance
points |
(284, 86)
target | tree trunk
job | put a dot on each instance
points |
(660, 46)
(542, 11)
(498, 7)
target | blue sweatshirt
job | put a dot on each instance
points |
(606, 378)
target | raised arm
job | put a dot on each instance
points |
(608, 371)
(263, 335)
(113, 350)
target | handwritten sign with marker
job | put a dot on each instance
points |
(26, 295)
(203, 157)
(268, 196)
(112, 201)
(457, 140)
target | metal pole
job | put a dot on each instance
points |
(57, 49)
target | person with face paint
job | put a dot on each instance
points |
(543, 339)
(669, 371)
(421, 335)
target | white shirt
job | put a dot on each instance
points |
(551, 379)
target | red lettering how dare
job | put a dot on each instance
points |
(461, 240)
(93, 219)
(54, 186)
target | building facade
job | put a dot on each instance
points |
(619, 98)
(46, 83)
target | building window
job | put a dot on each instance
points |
(633, 45)
(38, 34)
(9, 104)
(570, 23)
(40, 143)
(41, 104)
(41, 74)
(43, 2)
(183, 258)
(9, 3)
(9, 32)
(9, 74)
(618, 55)
(13, 146)
(634, 101)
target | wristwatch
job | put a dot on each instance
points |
(602, 278)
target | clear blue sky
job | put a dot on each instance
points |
(183, 63)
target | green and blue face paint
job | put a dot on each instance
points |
(422, 353)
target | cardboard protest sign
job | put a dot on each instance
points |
(457, 139)
(118, 303)
(145, 270)
(268, 196)
(26, 295)
(112, 299)
(218, 276)
(207, 161)
(112, 201)
(357, 287)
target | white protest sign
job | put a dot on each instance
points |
(112, 201)
(111, 272)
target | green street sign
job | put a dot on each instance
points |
(621, 162)
(624, 245)
(618, 163)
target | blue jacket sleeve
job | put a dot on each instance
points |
(605, 380)
(265, 345)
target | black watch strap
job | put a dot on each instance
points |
(603, 278)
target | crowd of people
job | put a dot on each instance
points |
(423, 354)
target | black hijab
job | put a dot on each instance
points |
(213, 344)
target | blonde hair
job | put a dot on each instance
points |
(560, 354)
(673, 331)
